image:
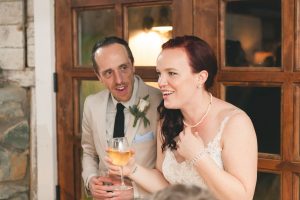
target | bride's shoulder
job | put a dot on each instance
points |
(225, 108)
(236, 119)
(233, 115)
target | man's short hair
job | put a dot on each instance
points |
(108, 41)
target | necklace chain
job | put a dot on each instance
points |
(203, 117)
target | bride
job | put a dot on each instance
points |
(202, 140)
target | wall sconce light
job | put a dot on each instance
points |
(161, 25)
(260, 57)
(156, 29)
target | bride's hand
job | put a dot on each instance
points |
(115, 169)
(189, 144)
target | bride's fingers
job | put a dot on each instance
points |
(132, 151)
(187, 130)
(131, 161)
(181, 135)
(184, 134)
(128, 168)
(114, 170)
(113, 167)
(108, 160)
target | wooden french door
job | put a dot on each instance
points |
(258, 49)
(257, 44)
(79, 24)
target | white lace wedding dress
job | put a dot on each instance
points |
(184, 172)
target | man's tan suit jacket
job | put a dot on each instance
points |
(94, 139)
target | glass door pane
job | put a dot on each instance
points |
(148, 28)
(253, 33)
(92, 25)
(86, 88)
(267, 186)
(263, 105)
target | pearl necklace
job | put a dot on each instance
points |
(203, 117)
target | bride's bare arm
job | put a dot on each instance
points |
(239, 157)
(151, 179)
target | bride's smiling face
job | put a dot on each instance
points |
(176, 81)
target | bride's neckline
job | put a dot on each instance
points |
(203, 117)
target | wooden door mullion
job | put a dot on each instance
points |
(286, 185)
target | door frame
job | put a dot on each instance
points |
(43, 118)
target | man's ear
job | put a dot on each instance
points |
(133, 68)
(98, 75)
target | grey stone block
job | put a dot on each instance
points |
(12, 58)
(30, 56)
(11, 36)
(30, 8)
(4, 165)
(10, 110)
(8, 190)
(30, 33)
(11, 12)
(23, 78)
(12, 93)
(17, 136)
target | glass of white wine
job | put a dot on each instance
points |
(119, 151)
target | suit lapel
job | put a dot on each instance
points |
(142, 92)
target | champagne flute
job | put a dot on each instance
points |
(120, 153)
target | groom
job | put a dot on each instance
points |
(113, 65)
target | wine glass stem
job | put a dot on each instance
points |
(122, 178)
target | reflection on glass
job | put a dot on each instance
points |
(267, 186)
(253, 33)
(153, 84)
(149, 32)
(93, 25)
(262, 104)
(87, 87)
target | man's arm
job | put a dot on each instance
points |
(90, 159)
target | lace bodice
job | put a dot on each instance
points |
(184, 172)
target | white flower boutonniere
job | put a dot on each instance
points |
(139, 111)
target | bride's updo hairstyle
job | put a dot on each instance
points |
(201, 57)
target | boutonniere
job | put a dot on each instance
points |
(139, 111)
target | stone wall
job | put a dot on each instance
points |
(17, 136)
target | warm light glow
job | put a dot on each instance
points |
(146, 46)
(260, 56)
(162, 29)
(153, 84)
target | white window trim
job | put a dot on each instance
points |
(44, 37)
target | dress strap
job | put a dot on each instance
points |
(223, 123)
